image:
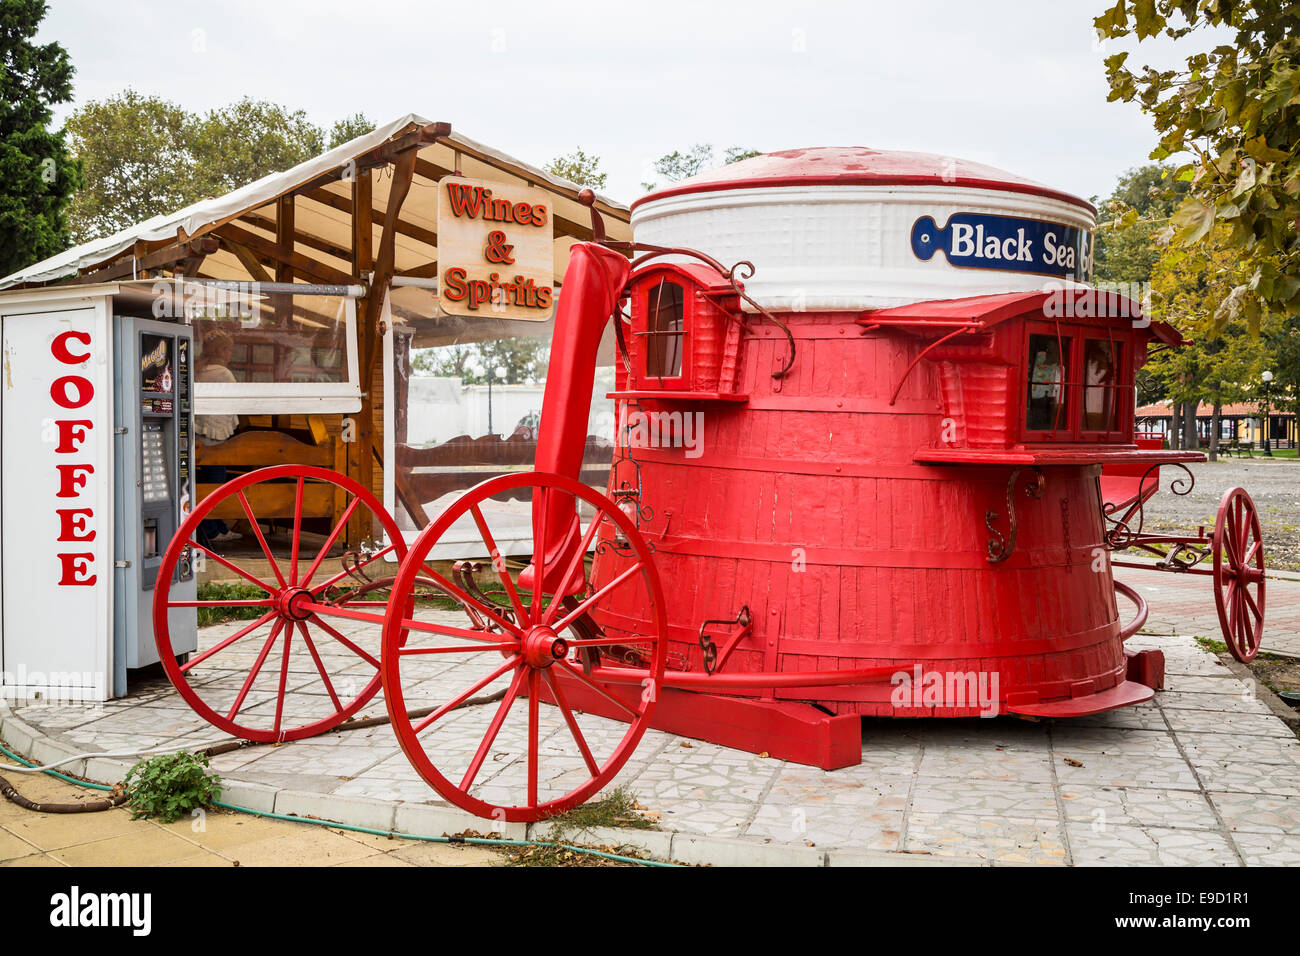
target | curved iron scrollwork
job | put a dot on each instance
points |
(1000, 546)
(1121, 532)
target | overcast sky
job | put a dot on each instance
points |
(1017, 84)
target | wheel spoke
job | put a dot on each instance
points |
(582, 607)
(266, 603)
(466, 695)
(284, 680)
(569, 719)
(407, 623)
(1250, 603)
(221, 646)
(539, 556)
(533, 750)
(498, 562)
(579, 675)
(320, 667)
(257, 531)
(297, 532)
(315, 619)
(577, 559)
(493, 729)
(231, 567)
(1254, 550)
(257, 667)
(329, 542)
(462, 649)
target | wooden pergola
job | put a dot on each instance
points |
(362, 215)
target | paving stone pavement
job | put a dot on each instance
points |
(1205, 775)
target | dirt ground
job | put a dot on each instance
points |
(1274, 484)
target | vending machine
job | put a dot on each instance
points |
(153, 482)
(96, 435)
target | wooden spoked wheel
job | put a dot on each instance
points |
(1239, 574)
(522, 753)
(302, 653)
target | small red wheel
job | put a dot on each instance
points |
(324, 675)
(1239, 574)
(525, 763)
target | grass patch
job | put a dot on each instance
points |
(213, 591)
(618, 808)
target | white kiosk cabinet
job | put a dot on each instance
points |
(74, 524)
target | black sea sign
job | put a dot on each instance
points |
(1007, 243)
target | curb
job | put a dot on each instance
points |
(424, 819)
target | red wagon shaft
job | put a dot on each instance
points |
(856, 473)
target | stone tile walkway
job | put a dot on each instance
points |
(1205, 775)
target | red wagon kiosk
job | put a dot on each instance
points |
(865, 401)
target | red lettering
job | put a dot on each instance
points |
(453, 283)
(465, 200)
(72, 522)
(76, 570)
(85, 391)
(60, 347)
(479, 292)
(539, 215)
(70, 480)
(523, 212)
(71, 433)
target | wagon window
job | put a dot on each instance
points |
(664, 329)
(1048, 405)
(1101, 384)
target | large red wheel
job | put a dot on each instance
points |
(1239, 574)
(318, 627)
(529, 643)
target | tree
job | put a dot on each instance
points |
(245, 141)
(348, 129)
(677, 165)
(136, 161)
(144, 156)
(522, 360)
(1186, 289)
(37, 174)
(1235, 111)
(1126, 250)
(578, 167)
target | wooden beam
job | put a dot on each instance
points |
(303, 266)
(362, 264)
(247, 258)
(343, 204)
(166, 257)
(300, 237)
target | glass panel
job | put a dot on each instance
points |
(468, 411)
(1048, 398)
(1101, 365)
(664, 330)
(273, 338)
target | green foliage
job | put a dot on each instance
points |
(1235, 113)
(214, 591)
(349, 128)
(145, 156)
(37, 174)
(169, 786)
(578, 167)
(1126, 249)
(523, 361)
(677, 165)
(235, 145)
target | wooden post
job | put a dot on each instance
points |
(362, 266)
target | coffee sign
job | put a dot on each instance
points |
(496, 257)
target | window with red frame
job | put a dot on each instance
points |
(665, 328)
(1076, 385)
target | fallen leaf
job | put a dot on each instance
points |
(1073, 763)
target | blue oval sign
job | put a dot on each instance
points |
(977, 241)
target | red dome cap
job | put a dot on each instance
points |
(857, 166)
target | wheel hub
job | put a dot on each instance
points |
(291, 603)
(542, 647)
